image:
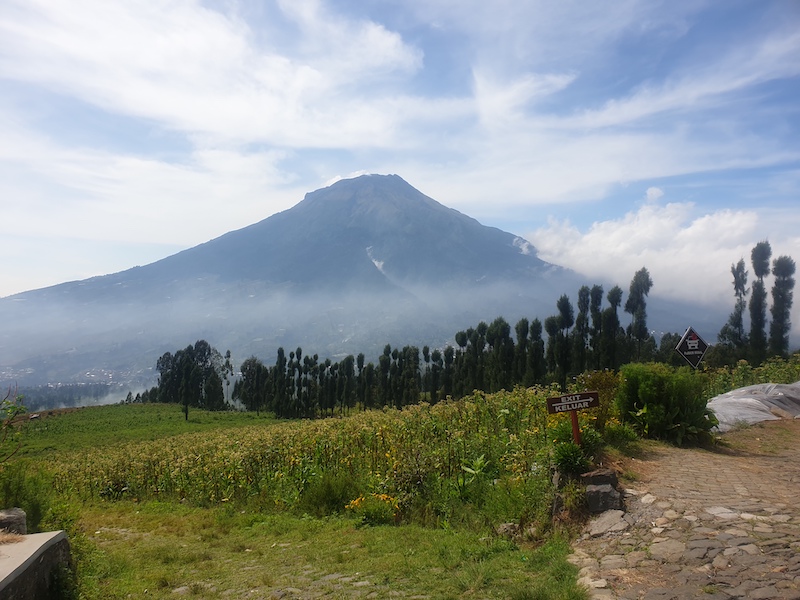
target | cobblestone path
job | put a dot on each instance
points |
(703, 524)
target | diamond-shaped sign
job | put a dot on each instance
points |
(691, 347)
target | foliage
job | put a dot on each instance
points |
(570, 458)
(760, 256)
(665, 403)
(374, 509)
(783, 269)
(26, 489)
(10, 435)
(458, 465)
(486, 358)
(636, 306)
(192, 377)
(605, 383)
(742, 374)
(733, 333)
(327, 494)
(619, 435)
(487, 451)
(735, 344)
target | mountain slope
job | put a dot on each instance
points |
(361, 232)
(356, 265)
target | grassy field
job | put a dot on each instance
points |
(231, 505)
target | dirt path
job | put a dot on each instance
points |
(704, 524)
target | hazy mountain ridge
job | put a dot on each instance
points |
(354, 266)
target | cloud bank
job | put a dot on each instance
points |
(162, 125)
(687, 251)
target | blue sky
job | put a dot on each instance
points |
(612, 135)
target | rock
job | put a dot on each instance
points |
(720, 562)
(668, 550)
(722, 512)
(600, 477)
(609, 521)
(750, 549)
(603, 497)
(13, 520)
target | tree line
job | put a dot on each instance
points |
(487, 357)
(755, 344)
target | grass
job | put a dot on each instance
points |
(153, 549)
(765, 438)
(101, 426)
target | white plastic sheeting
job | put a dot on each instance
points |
(756, 403)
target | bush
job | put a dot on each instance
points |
(374, 509)
(665, 403)
(570, 458)
(606, 384)
(328, 494)
(619, 435)
(591, 440)
(25, 488)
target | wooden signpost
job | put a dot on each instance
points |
(573, 403)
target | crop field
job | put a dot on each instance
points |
(378, 504)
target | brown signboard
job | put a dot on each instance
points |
(569, 402)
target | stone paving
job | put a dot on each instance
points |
(700, 524)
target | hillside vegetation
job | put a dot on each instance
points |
(395, 500)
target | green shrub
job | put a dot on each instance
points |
(780, 370)
(570, 458)
(665, 403)
(742, 374)
(591, 440)
(374, 509)
(619, 435)
(24, 488)
(606, 384)
(328, 494)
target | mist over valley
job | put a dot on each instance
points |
(360, 264)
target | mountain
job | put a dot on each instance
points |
(354, 266)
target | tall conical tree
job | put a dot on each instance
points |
(580, 335)
(760, 256)
(596, 310)
(521, 350)
(537, 367)
(610, 327)
(783, 269)
(636, 306)
(732, 333)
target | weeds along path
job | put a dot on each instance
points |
(714, 524)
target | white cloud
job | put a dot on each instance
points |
(194, 69)
(688, 253)
(706, 85)
(96, 195)
(505, 102)
(653, 194)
